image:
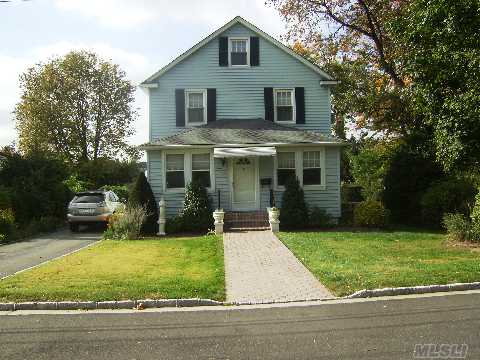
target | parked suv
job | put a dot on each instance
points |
(89, 207)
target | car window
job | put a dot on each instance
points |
(88, 199)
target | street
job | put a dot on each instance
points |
(384, 329)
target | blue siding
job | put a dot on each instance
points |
(239, 90)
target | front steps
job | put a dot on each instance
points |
(246, 220)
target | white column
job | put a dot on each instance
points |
(161, 217)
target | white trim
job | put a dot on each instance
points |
(230, 39)
(325, 83)
(257, 184)
(236, 20)
(294, 114)
(204, 98)
(149, 86)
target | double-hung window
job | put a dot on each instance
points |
(196, 107)
(175, 171)
(285, 167)
(201, 169)
(284, 101)
(312, 171)
(239, 51)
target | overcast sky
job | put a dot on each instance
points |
(140, 35)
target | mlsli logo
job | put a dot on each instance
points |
(440, 351)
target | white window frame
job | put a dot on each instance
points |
(204, 95)
(230, 39)
(294, 105)
(299, 167)
(187, 168)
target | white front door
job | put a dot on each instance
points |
(244, 184)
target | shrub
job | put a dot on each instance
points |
(475, 218)
(319, 218)
(197, 209)
(142, 195)
(447, 196)
(122, 191)
(75, 185)
(7, 224)
(351, 193)
(294, 211)
(103, 171)
(126, 225)
(370, 213)
(5, 198)
(457, 226)
(174, 225)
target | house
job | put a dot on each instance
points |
(241, 112)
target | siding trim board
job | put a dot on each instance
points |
(215, 34)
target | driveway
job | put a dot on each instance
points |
(22, 255)
(259, 268)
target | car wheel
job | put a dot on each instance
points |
(73, 227)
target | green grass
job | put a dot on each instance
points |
(116, 270)
(346, 262)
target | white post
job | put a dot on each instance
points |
(161, 217)
(218, 216)
(273, 219)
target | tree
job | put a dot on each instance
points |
(142, 195)
(77, 107)
(294, 211)
(442, 61)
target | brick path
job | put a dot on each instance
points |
(259, 268)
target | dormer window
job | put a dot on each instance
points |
(239, 51)
(196, 107)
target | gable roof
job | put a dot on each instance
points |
(234, 21)
(230, 132)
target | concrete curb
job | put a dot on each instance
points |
(113, 305)
(413, 290)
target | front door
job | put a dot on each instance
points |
(244, 184)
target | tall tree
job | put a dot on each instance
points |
(78, 107)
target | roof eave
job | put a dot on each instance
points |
(147, 147)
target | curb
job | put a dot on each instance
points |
(113, 305)
(409, 290)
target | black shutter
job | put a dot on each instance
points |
(300, 104)
(211, 105)
(223, 51)
(180, 106)
(268, 100)
(254, 51)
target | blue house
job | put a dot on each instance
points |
(240, 112)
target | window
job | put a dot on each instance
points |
(174, 171)
(284, 105)
(201, 169)
(312, 172)
(285, 167)
(196, 113)
(239, 51)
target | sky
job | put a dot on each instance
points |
(140, 35)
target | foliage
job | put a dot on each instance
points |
(294, 211)
(411, 170)
(103, 172)
(457, 226)
(446, 196)
(36, 182)
(319, 218)
(370, 213)
(126, 225)
(369, 167)
(76, 185)
(350, 193)
(77, 107)
(5, 197)
(142, 195)
(174, 225)
(442, 62)
(475, 217)
(197, 209)
(122, 191)
(7, 224)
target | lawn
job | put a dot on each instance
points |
(349, 261)
(116, 270)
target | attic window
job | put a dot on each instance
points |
(239, 51)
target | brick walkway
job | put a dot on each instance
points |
(259, 268)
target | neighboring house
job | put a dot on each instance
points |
(241, 113)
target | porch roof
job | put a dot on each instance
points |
(243, 132)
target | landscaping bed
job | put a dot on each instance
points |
(346, 262)
(131, 269)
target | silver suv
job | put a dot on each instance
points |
(90, 207)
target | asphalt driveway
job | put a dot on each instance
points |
(22, 255)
